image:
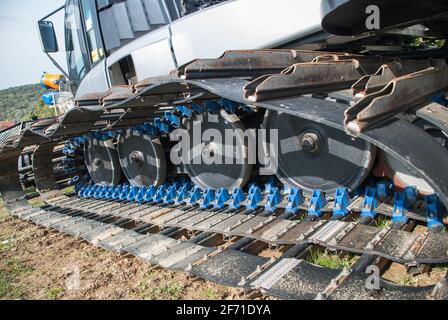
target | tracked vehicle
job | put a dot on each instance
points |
(352, 122)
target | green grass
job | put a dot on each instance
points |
(16, 267)
(209, 294)
(171, 291)
(37, 202)
(8, 289)
(441, 267)
(9, 271)
(383, 222)
(326, 260)
(406, 280)
(68, 190)
(6, 245)
(52, 293)
(30, 190)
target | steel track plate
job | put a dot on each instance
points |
(82, 227)
(359, 237)
(181, 256)
(151, 246)
(101, 234)
(354, 287)
(396, 243)
(151, 216)
(30, 215)
(298, 232)
(179, 221)
(42, 217)
(228, 224)
(194, 219)
(123, 239)
(247, 226)
(167, 217)
(274, 230)
(53, 220)
(433, 246)
(303, 282)
(207, 225)
(228, 267)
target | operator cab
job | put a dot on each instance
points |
(96, 29)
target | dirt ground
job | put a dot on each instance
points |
(39, 264)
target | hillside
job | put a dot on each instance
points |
(22, 103)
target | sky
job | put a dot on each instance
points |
(21, 58)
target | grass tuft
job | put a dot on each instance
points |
(52, 293)
(383, 222)
(209, 294)
(9, 272)
(6, 245)
(406, 280)
(326, 260)
(171, 291)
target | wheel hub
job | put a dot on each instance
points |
(218, 170)
(102, 162)
(310, 142)
(314, 156)
(142, 158)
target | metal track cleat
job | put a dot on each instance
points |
(237, 197)
(212, 106)
(172, 119)
(341, 202)
(160, 194)
(222, 196)
(184, 111)
(368, 212)
(317, 202)
(208, 198)
(150, 193)
(194, 197)
(170, 195)
(434, 213)
(182, 194)
(273, 200)
(295, 199)
(403, 201)
(255, 196)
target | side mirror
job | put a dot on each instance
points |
(48, 37)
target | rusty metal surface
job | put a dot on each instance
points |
(399, 95)
(387, 72)
(248, 63)
(308, 78)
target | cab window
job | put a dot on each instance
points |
(77, 59)
(91, 29)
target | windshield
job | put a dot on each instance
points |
(76, 52)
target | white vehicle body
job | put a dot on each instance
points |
(231, 25)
